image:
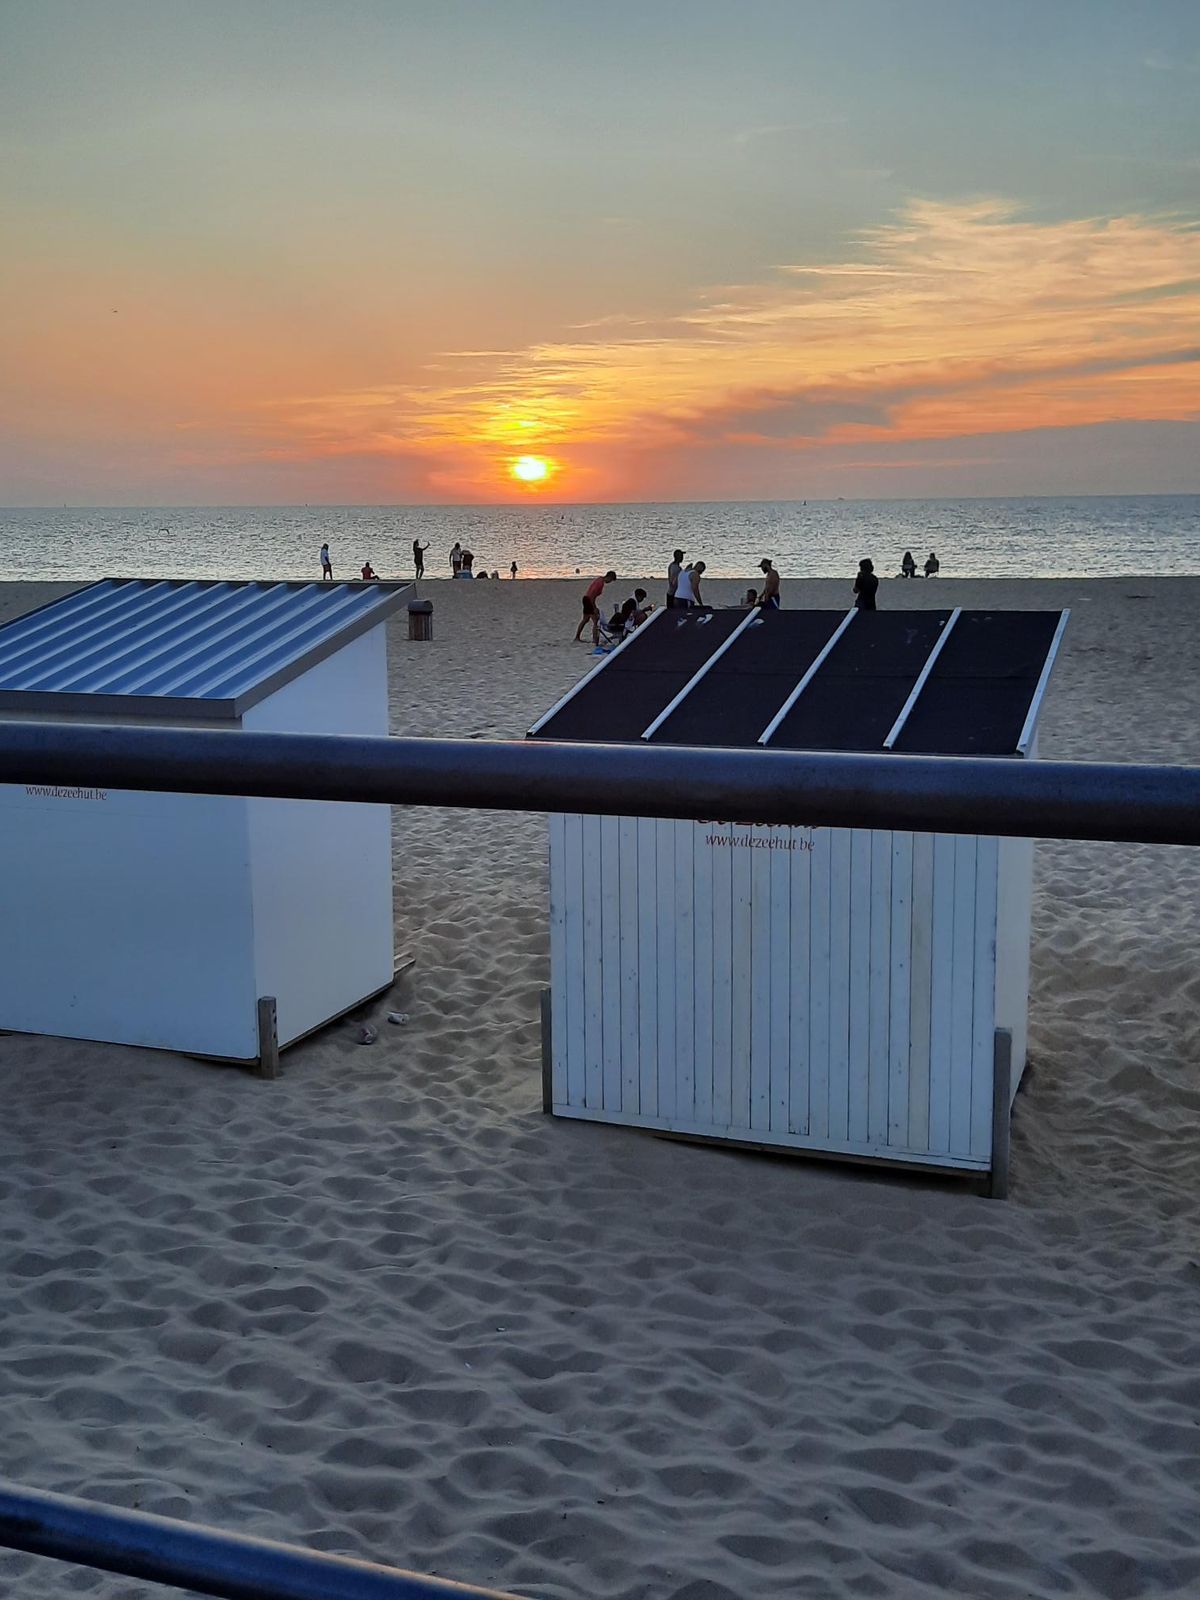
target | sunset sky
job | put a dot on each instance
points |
(274, 252)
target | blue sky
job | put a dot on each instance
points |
(248, 246)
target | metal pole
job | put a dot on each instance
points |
(203, 1560)
(924, 794)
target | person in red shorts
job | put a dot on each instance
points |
(591, 606)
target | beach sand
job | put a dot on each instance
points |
(385, 1307)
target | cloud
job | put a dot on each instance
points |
(1160, 61)
(950, 321)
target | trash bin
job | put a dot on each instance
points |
(420, 619)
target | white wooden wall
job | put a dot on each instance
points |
(158, 919)
(321, 871)
(829, 989)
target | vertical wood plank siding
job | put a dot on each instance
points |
(560, 1031)
(819, 988)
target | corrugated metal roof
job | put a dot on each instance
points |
(203, 649)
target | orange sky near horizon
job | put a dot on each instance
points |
(250, 261)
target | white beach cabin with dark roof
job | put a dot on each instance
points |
(165, 919)
(835, 990)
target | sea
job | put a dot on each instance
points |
(1091, 536)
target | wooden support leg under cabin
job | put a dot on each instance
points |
(547, 1055)
(268, 1038)
(1001, 1113)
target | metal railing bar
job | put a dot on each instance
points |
(924, 794)
(188, 1555)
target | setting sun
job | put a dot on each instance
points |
(531, 469)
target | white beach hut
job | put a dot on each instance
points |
(212, 925)
(832, 990)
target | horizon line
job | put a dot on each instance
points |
(586, 505)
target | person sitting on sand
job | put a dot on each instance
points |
(368, 571)
(687, 590)
(865, 586)
(933, 566)
(749, 599)
(768, 600)
(591, 606)
(908, 567)
(622, 618)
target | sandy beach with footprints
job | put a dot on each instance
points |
(385, 1307)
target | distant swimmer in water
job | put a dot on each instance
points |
(326, 564)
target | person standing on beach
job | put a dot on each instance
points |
(326, 564)
(768, 600)
(512, 571)
(865, 586)
(591, 606)
(673, 572)
(419, 550)
(687, 590)
(455, 559)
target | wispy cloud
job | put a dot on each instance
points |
(951, 321)
(1160, 61)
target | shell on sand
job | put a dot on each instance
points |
(384, 1306)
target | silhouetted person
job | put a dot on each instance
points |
(768, 600)
(326, 563)
(419, 550)
(865, 586)
(908, 567)
(933, 566)
(368, 571)
(673, 572)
